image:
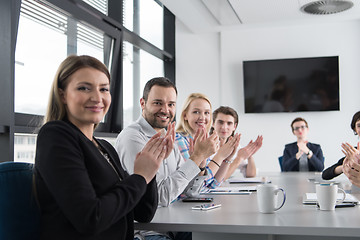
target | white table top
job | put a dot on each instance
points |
(239, 213)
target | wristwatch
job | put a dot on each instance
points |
(227, 161)
(309, 153)
(202, 168)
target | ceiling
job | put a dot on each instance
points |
(217, 15)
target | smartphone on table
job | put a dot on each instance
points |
(191, 199)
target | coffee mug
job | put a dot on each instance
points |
(326, 194)
(267, 197)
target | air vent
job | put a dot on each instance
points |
(327, 7)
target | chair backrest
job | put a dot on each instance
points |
(19, 212)
(280, 163)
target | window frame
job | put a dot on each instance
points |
(113, 124)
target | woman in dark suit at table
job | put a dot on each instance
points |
(302, 156)
(83, 191)
(337, 169)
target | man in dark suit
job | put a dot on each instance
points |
(302, 155)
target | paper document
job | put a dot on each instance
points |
(249, 180)
(242, 190)
(310, 198)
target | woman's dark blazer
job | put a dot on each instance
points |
(81, 196)
(290, 163)
(329, 173)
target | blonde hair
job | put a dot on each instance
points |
(184, 126)
(56, 108)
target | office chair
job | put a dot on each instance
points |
(19, 212)
(280, 163)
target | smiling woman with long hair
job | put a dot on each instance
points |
(196, 115)
(83, 191)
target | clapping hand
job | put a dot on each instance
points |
(203, 146)
(228, 150)
(250, 149)
(351, 153)
(147, 162)
(302, 149)
(351, 166)
(170, 136)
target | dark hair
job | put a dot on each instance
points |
(355, 118)
(227, 111)
(158, 81)
(299, 119)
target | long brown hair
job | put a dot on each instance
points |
(56, 109)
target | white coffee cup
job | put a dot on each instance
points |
(326, 194)
(267, 197)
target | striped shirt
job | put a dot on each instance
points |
(183, 143)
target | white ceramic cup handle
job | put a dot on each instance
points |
(284, 197)
(344, 195)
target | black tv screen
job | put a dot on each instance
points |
(291, 85)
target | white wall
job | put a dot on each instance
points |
(212, 63)
(198, 63)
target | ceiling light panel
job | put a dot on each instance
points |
(222, 11)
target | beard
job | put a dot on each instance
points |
(156, 122)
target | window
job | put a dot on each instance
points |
(145, 18)
(100, 5)
(50, 30)
(139, 67)
(24, 147)
(35, 50)
(45, 38)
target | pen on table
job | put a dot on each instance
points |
(220, 190)
(207, 205)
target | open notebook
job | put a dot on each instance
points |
(310, 198)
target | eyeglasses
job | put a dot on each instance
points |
(301, 127)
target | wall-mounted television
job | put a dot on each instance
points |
(291, 85)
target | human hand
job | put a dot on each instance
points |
(352, 170)
(170, 137)
(228, 150)
(258, 144)
(250, 149)
(147, 162)
(193, 140)
(351, 153)
(245, 152)
(302, 147)
(204, 146)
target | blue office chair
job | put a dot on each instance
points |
(19, 211)
(280, 163)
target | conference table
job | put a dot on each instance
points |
(239, 218)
